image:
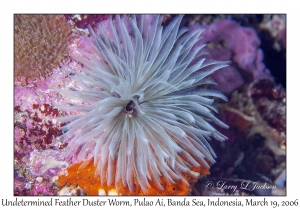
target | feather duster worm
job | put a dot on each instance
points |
(147, 117)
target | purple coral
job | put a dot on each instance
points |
(227, 40)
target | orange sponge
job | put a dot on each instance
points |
(84, 175)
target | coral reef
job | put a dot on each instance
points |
(41, 43)
(82, 21)
(270, 101)
(271, 29)
(276, 26)
(256, 112)
(229, 41)
(268, 26)
(257, 119)
(35, 133)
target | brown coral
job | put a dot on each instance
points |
(41, 42)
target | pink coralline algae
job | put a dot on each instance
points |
(37, 150)
(35, 133)
(229, 41)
